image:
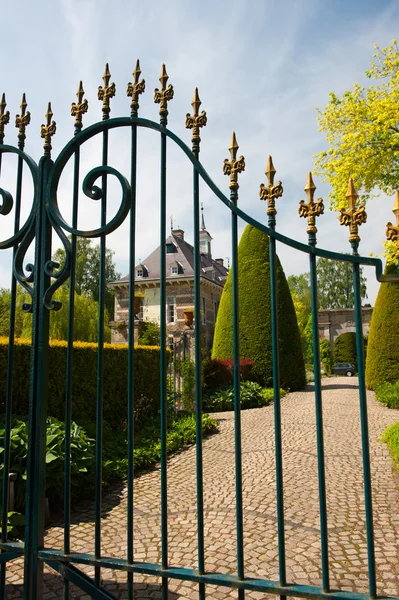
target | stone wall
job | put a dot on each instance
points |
(333, 322)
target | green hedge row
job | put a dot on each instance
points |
(84, 380)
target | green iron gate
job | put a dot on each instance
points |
(42, 278)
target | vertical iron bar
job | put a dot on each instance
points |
(237, 400)
(9, 388)
(100, 366)
(364, 430)
(198, 390)
(69, 370)
(319, 421)
(130, 381)
(277, 409)
(162, 367)
(34, 530)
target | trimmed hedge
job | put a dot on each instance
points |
(325, 356)
(255, 316)
(382, 363)
(84, 380)
(345, 348)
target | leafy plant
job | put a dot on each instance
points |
(82, 456)
(325, 356)
(252, 395)
(391, 438)
(388, 394)
(150, 334)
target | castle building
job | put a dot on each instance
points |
(179, 291)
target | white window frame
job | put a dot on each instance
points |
(174, 270)
(140, 272)
(171, 309)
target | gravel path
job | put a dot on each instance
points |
(346, 520)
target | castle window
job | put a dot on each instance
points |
(139, 273)
(170, 248)
(175, 270)
(171, 309)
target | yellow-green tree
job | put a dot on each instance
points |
(362, 129)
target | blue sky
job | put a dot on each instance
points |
(262, 68)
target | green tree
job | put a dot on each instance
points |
(335, 284)
(382, 361)
(85, 317)
(87, 274)
(345, 348)
(255, 316)
(150, 334)
(362, 129)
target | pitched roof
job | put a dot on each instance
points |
(184, 254)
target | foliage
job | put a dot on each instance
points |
(391, 438)
(325, 356)
(345, 348)
(388, 394)
(252, 395)
(362, 130)
(300, 291)
(255, 316)
(335, 284)
(150, 334)
(307, 341)
(87, 271)
(15, 524)
(84, 379)
(220, 372)
(382, 362)
(147, 450)
(82, 456)
(85, 327)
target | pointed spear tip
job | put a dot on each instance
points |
(310, 183)
(233, 140)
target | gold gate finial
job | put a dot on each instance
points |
(271, 191)
(233, 166)
(135, 89)
(48, 130)
(392, 232)
(79, 108)
(22, 121)
(196, 121)
(353, 216)
(164, 95)
(106, 92)
(311, 209)
(4, 117)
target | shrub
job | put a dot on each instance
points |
(149, 334)
(252, 395)
(388, 394)
(325, 356)
(84, 379)
(382, 362)
(345, 348)
(391, 438)
(255, 316)
(82, 457)
(220, 372)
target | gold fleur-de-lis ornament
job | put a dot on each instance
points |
(392, 232)
(196, 121)
(235, 165)
(271, 191)
(21, 122)
(79, 108)
(135, 89)
(163, 96)
(311, 209)
(106, 92)
(4, 117)
(353, 216)
(48, 130)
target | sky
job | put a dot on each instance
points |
(261, 68)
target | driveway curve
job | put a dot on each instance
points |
(345, 500)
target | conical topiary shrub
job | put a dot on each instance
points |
(382, 362)
(255, 316)
(345, 348)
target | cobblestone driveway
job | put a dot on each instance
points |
(346, 522)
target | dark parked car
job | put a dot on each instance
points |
(344, 369)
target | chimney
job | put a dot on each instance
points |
(179, 233)
(219, 261)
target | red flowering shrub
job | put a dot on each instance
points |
(220, 372)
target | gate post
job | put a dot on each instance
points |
(36, 463)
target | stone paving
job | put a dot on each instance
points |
(346, 520)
